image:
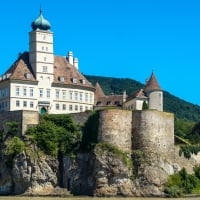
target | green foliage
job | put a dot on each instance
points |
(173, 191)
(14, 146)
(181, 183)
(188, 150)
(181, 109)
(182, 127)
(194, 135)
(138, 158)
(196, 170)
(144, 106)
(90, 132)
(56, 135)
(13, 128)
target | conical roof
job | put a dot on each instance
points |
(41, 23)
(152, 84)
(99, 91)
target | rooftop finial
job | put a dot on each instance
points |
(40, 9)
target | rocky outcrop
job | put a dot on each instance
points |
(102, 172)
(29, 175)
(105, 173)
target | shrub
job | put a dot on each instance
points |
(55, 136)
(90, 132)
(14, 146)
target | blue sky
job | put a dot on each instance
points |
(115, 38)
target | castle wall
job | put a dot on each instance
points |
(115, 127)
(153, 131)
(24, 118)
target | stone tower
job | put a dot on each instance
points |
(154, 93)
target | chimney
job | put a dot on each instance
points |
(76, 63)
(124, 96)
(70, 57)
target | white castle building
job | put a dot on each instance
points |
(40, 81)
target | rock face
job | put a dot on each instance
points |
(100, 173)
(103, 173)
(28, 175)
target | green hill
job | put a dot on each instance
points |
(181, 108)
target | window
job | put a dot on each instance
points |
(62, 79)
(76, 107)
(45, 59)
(90, 98)
(76, 96)
(31, 92)
(41, 93)
(25, 103)
(86, 97)
(48, 93)
(46, 48)
(86, 108)
(81, 108)
(57, 106)
(17, 103)
(57, 94)
(64, 94)
(83, 81)
(44, 69)
(42, 48)
(31, 104)
(17, 91)
(81, 96)
(74, 80)
(70, 107)
(44, 37)
(70, 95)
(24, 91)
(64, 106)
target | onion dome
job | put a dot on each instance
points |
(41, 23)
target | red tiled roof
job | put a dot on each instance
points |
(70, 75)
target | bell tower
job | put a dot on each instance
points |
(41, 55)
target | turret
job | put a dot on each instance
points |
(154, 93)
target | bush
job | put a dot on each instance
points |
(181, 183)
(14, 146)
(53, 135)
(173, 191)
(90, 132)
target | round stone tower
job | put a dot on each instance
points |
(154, 93)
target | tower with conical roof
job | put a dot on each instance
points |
(41, 55)
(154, 93)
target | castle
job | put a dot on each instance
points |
(40, 81)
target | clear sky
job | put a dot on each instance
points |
(115, 38)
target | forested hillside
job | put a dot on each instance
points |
(181, 108)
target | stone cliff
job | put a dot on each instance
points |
(134, 157)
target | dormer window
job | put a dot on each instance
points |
(62, 79)
(27, 75)
(83, 81)
(74, 80)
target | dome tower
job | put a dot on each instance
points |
(41, 55)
